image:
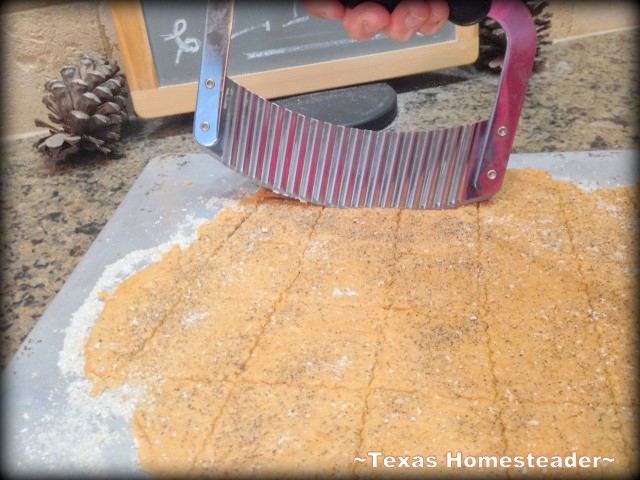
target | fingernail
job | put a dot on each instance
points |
(413, 21)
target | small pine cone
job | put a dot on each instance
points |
(86, 108)
(493, 43)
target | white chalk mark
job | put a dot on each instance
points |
(304, 48)
(266, 25)
(189, 44)
(296, 20)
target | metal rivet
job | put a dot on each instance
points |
(502, 131)
(210, 83)
(492, 174)
(204, 126)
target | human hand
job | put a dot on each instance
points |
(367, 19)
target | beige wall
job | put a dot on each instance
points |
(578, 18)
(40, 36)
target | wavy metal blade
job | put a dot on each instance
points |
(338, 166)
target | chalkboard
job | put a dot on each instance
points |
(276, 50)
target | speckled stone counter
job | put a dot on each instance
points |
(585, 99)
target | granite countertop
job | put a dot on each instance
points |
(584, 99)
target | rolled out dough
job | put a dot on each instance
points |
(289, 339)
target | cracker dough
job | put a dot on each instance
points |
(289, 339)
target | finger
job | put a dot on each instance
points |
(324, 8)
(407, 18)
(437, 19)
(365, 20)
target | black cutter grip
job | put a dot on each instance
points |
(461, 12)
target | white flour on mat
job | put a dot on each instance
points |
(89, 429)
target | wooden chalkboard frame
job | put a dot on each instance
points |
(151, 100)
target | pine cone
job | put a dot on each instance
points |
(493, 43)
(88, 106)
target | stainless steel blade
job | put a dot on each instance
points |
(345, 167)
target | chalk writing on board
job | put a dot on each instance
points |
(296, 17)
(266, 25)
(296, 20)
(189, 44)
(267, 36)
(304, 48)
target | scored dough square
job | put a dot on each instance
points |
(431, 231)
(317, 345)
(353, 273)
(261, 271)
(143, 300)
(136, 307)
(542, 285)
(440, 282)
(500, 243)
(510, 244)
(524, 191)
(207, 342)
(273, 221)
(529, 221)
(179, 416)
(284, 431)
(418, 424)
(371, 225)
(440, 354)
(555, 351)
(212, 234)
(604, 225)
(559, 429)
(615, 287)
(616, 321)
(526, 232)
(605, 245)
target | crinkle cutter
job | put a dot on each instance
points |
(338, 166)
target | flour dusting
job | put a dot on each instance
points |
(194, 317)
(344, 292)
(83, 426)
(71, 360)
(340, 365)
